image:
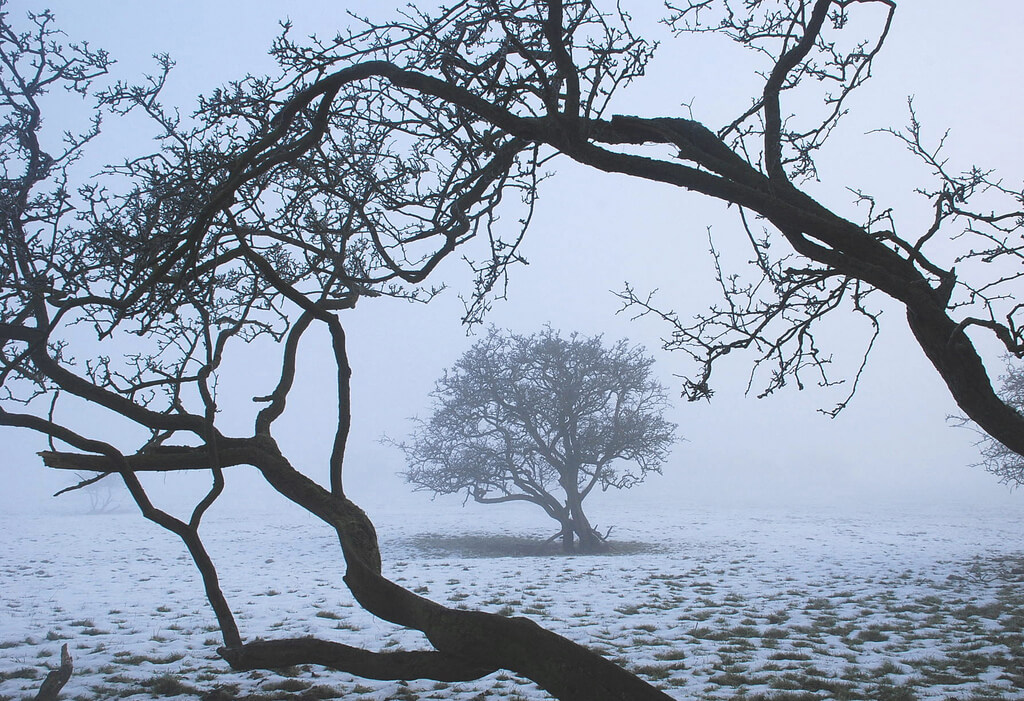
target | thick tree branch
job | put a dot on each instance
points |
(407, 665)
(231, 452)
(773, 87)
(279, 397)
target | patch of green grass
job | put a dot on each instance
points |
(223, 692)
(742, 631)
(971, 664)
(733, 679)
(738, 645)
(893, 692)
(872, 634)
(807, 681)
(102, 691)
(20, 673)
(670, 654)
(990, 610)
(292, 671)
(287, 685)
(167, 685)
(127, 658)
(123, 679)
(936, 672)
(653, 671)
(793, 655)
(887, 667)
(705, 633)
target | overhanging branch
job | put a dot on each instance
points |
(275, 654)
(230, 452)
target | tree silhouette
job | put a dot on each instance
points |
(370, 159)
(518, 417)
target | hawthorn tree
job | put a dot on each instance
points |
(520, 416)
(368, 160)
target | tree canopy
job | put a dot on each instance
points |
(370, 158)
(518, 417)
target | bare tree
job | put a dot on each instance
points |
(518, 417)
(373, 157)
(545, 73)
(269, 213)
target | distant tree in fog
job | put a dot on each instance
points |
(543, 419)
(104, 495)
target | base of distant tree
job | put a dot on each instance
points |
(572, 543)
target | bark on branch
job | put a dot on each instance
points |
(406, 665)
(230, 452)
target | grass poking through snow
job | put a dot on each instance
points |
(702, 605)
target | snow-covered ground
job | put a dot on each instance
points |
(897, 604)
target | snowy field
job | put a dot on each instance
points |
(706, 604)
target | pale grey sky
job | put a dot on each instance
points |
(593, 232)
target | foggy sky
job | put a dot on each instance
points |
(593, 232)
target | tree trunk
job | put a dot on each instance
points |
(568, 544)
(588, 540)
